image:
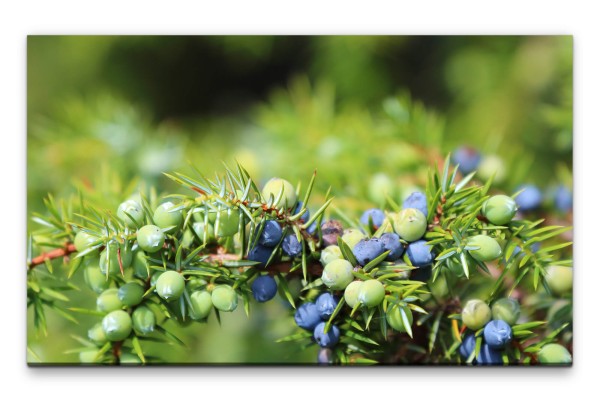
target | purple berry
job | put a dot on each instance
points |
(271, 233)
(467, 159)
(307, 316)
(367, 250)
(372, 217)
(331, 230)
(416, 200)
(291, 246)
(391, 242)
(329, 339)
(264, 288)
(326, 304)
(419, 253)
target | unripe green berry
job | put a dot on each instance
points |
(83, 241)
(224, 298)
(143, 320)
(131, 294)
(274, 187)
(199, 228)
(155, 277)
(201, 305)
(127, 358)
(331, 253)
(170, 285)
(351, 293)
(499, 209)
(488, 248)
(476, 314)
(393, 316)
(164, 216)
(559, 279)
(117, 325)
(492, 165)
(371, 293)
(455, 267)
(94, 278)
(410, 224)
(337, 274)
(135, 212)
(140, 265)
(507, 309)
(97, 335)
(352, 236)
(88, 356)
(554, 354)
(109, 258)
(108, 301)
(150, 238)
(195, 284)
(228, 221)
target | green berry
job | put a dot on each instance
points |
(131, 294)
(371, 293)
(155, 277)
(108, 301)
(135, 212)
(492, 165)
(140, 265)
(109, 258)
(559, 279)
(83, 241)
(499, 209)
(94, 278)
(150, 238)
(224, 298)
(165, 217)
(331, 253)
(274, 187)
(195, 284)
(88, 356)
(337, 274)
(201, 229)
(351, 293)
(507, 309)
(201, 305)
(117, 325)
(488, 248)
(476, 314)
(143, 320)
(455, 267)
(394, 318)
(352, 236)
(97, 335)
(129, 359)
(554, 354)
(228, 222)
(170, 285)
(410, 224)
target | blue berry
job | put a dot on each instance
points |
(416, 200)
(305, 216)
(325, 356)
(367, 250)
(489, 356)
(467, 159)
(312, 229)
(291, 246)
(391, 242)
(422, 273)
(326, 304)
(497, 333)
(264, 288)
(329, 339)
(271, 233)
(375, 216)
(307, 316)
(419, 253)
(563, 199)
(260, 254)
(467, 346)
(529, 199)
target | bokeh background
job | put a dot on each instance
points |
(109, 113)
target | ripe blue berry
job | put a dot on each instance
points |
(372, 217)
(329, 339)
(529, 199)
(305, 216)
(419, 253)
(260, 254)
(416, 200)
(489, 356)
(367, 250)
(391, 242)
(467, 159)
(467, 346)
(497, 333)
(271, 233)
(326, 304)
(307, 316)
(325, 356)
(291, 246)
(264, 288)
(563, 199)
(150, 238)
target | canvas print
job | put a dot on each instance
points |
(299, 200)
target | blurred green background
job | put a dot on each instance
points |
(365, 111)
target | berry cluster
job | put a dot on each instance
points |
(313, 316)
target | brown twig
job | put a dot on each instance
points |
(53, 254)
